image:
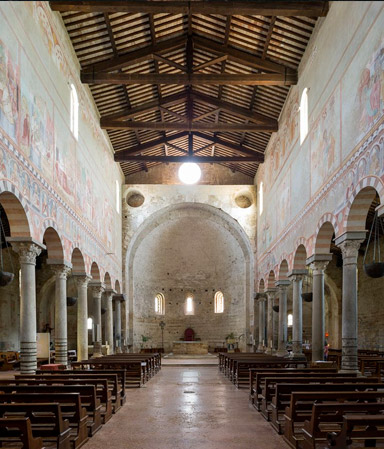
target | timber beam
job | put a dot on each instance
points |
(254, 79)
(197, 159)
(187, 126)
(255, 8)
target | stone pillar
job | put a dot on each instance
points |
(318, 310)
(97, 290)
(117, 299)
(349, 244)
(297, 313)
(261, 298)
(27, 251)
(61, 352)
(282, 339)
(109, 320)
(82, 316)
(271, 296)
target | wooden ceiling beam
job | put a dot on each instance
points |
(233, 109)
(135, 56)
(169, 62)
(145, 107)
(239, 149)
(241, 56)
(188, 126)
(255, 8)
(151, 145)
(213, 61)
(196, 159)
(253, 79)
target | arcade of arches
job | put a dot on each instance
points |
(105, 247)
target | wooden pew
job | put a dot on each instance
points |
(300, 408)
(285, 375)
(369, 428)
(325, 417)
(46, 420)
(71, 409)
(112, 378)
(19, 429)
(102, 389)
(87, 393)
(282, 396)
(253, 391)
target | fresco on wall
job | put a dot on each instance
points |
(283, 210)
(325, 142)
(370, 94)
(65, 164)
(9, 93)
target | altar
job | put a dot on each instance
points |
(190, 347)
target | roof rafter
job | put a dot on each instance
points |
(197, 159)
(277, 8)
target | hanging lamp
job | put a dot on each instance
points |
(307, 294)
(375, 268)
(5, 277)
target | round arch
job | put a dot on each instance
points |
(283, 271)
(53, 243)
(300, 257)
(107, 280)
(271, 280)
(324, 237)
(77, 260)
(117, 286)
(199, 210)
(17, 214)
(95, 272)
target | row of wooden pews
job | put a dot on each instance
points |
(236, 366)
(314, 407)
(64, 408)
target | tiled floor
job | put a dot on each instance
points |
(187, 408)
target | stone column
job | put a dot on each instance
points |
(282, 339)
(271, 296)
(349, 247)
(27, 251)
(297, 313)
(109, 320)
(117, 299)
(97, 290)
(318, 310)
(61, 352)
(261, 298)
(82, 316)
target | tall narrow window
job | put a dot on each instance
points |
(219, 302)
(89, 323)
(189, 307)
(304, 115)
(74, 112)
(290, 319)
(159, 304)
(261, 198)
(117, 196)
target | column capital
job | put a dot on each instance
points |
(119, 297)
(350, 251)
(82, 279)
(297, 275)
(27, 249)
(109, 292)
(61, 270)
(282, 284)
(97, 287)
(318, 266)
(260, 296)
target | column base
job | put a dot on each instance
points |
(298, 356)
(260, 348)
(97, 349)
(270, 351)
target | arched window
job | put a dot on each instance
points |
(290, 319)
(189, 306)
(74, 112)
(89, 324)
(304, 115)
(261, 198)
(219, 302)
(159, 304)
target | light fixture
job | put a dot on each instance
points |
(189, 173)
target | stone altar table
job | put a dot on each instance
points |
(190, 347)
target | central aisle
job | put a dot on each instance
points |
(187, 408)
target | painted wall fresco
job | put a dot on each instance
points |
(40, 159)
(345, 146)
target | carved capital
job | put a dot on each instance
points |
(350, 251)
(97, 289)
(318, 267)
(27, 252)
(260, 296)
(61, 271)
(82, 280)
